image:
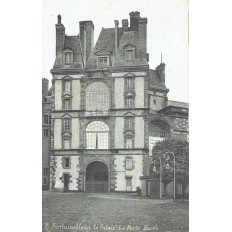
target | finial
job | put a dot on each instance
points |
(59, 19)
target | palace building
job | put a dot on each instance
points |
(108, 108)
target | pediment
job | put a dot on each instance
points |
(129, 133)
(130, 75)
(129, 114)
(66, 116)
(102, 52)
(128, 46)
(129, 94)
(67, 96)
(66, 134)
(66, 77)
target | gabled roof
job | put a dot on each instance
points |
(106, 42)
(73, 43)
(129, 38)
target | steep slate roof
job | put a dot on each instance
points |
(106, 41)
(73, 43)
(129, 38)
(154, 79)
(178, 104)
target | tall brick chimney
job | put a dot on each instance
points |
(86, 38)
(125, 24)
(60, 35)
(142, 36)
(134, 16)
(116, 36)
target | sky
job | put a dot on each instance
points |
(167, 32)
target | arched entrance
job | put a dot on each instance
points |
(97, 177)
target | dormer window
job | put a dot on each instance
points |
(129, 55)
(130, 52)
(103, 58)
(68, 57)
(102, 62)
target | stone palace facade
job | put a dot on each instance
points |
(108, 108)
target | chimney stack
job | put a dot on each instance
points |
(134, 16)
(44, 88)
(125, 24)
(116, 35)
(86, 38)
(60, 35)
(142, 36)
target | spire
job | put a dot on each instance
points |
(161, 58)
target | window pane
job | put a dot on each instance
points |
(68, 57)
(102, 62)
(91, 141)
(67, 86)
(97, 134)
(66, 124)
(46, 133)
(66, 104)
(97, 97)
(45, 119)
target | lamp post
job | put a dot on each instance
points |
(154, 169)
(167, 157)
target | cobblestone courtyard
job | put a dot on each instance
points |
(111, 212)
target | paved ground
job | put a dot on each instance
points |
(111, 212)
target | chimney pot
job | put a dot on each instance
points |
(59, 19)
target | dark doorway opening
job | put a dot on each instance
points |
(97, 177)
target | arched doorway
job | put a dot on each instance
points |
(97, 177)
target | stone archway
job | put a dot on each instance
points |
(97, 177)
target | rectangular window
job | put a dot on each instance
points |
(129, 55)
(129, 143)
(45, 119)
(46, 133)
(67, 104)
(50, 119)
(44, 171)
(66, 162)
(129, 163)
(129, 83)
(130, 125)
(129, 102)
(44, 181)
(66, 143)
(128, 184)
(67, 124)
(68, 57)
(67, 86)
(102, 61)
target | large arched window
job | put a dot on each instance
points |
(158, 131)
(97, 97)
(97, 135)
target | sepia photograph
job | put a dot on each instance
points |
(115, 129)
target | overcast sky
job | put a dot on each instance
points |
(167, 32)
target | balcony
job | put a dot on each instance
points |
(95, 113)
